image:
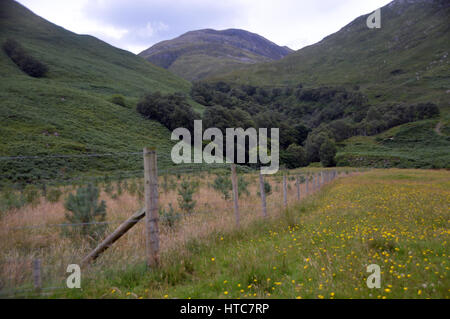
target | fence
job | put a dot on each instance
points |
(184, 203)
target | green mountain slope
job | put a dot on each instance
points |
(69, 111)
(406, 60)
(199, 54)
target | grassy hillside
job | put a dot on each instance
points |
(414, 144)
(404, 61)
(69, 111)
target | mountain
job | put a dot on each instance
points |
(199, 54)
(407, 59)
(70, 110)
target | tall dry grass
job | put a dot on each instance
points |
(35, 232)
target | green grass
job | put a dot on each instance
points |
(320, 248)
(410, 145)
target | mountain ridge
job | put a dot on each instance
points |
(213, 50)
(406, 57)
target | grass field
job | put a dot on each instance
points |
(410, 145)
(319, 248)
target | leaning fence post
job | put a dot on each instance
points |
(284, 191)
(298, 187)
(263, 194)
(151, 207)
(234, 183)
(37, 274)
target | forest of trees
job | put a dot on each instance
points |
(308, 118)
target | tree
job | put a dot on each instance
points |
(295, 156)
(85, 213)
(328, 153)
(186, 192)
(169, 217)
(218, 116)
(301, 133)
(313, 144)
(223, 185)
(171, 110)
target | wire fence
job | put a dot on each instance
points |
(194, 201)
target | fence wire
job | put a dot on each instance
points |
(21, 244)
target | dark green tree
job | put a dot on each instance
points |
(85, 213)
(328, 153)
(313, 144)
(294, 156)
(186, 191)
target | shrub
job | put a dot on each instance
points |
(170, 217)
(118, 100)
(119, 187)
(31, 195)
(243, 186)
(86, 212)
(108, 187)
(23, 60)
(10, 199)
(267, 189)
(223, 185)
(186, 192)
(328, 153)
(53, 195)
(168, 184)
(132, 189)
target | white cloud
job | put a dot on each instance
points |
(137, 24)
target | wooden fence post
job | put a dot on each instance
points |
(263, 194)
(234, 183)
(284, 191)
(37, 279)
(298, 187)
(151, 207)
(307, 185)
(318, 181)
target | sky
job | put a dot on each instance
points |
(135, 25)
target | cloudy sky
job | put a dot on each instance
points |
(135, 25)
